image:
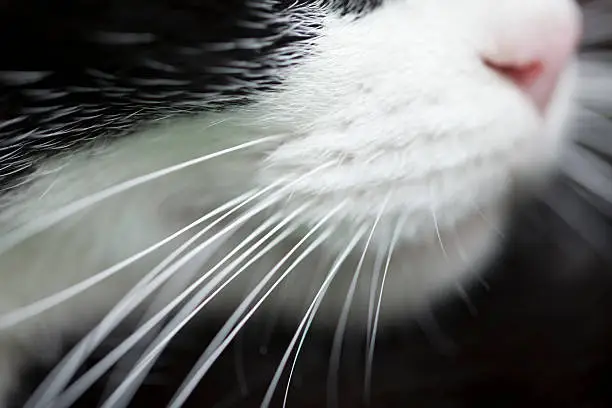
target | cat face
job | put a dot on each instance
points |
(421, 120)
(398, 124)
(422, 104)
(409, 119)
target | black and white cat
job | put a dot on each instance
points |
(319, 170)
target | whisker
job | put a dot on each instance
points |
(376, 272)
(307, 321)
(102, 366)
(20, 234)
(121, 396)
(167, 291)
(464, 264)
(334, 363)
(372, 345)
(317, 275)
(64, 371)
(223, 339)
(274, 315)
(256, 233)
(270, 220)
(181, 320)
(17, 316)
(435, 220)
(81, 385)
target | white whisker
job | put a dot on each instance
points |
(28, 230)
(121, 396)
(102, 366)
(324, 261)
(307, 320)
(275, 311)
(256, 233)
(376, 272)
(435, 220)
(23, 313)
(334, 363)
(372, 345)
(166, 275)
(64, 371)
(464, 260)
(81, 385)
(171, 288)
(192, 308)
(223, 339)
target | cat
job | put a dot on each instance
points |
(319, 170)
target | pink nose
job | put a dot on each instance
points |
(533, 52)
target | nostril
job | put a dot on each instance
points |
(532, 45)
(522, 75)
(537, 80)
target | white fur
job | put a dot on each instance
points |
(397, 103)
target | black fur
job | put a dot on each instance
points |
(76, 71)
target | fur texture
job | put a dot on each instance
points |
(374, 123)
